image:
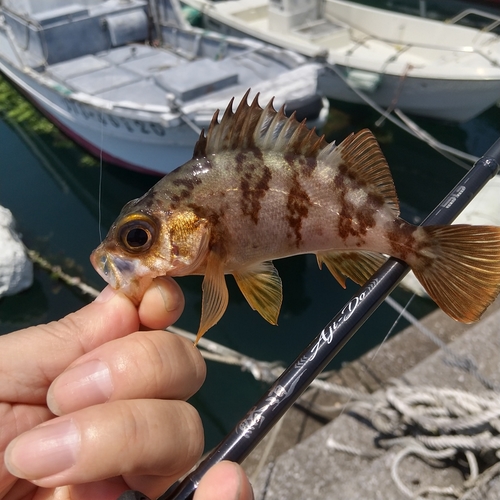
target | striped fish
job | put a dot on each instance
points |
(262, 186)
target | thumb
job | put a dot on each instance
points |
(224, 481)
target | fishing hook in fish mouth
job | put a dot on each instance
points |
(112, 269)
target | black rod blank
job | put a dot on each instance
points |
(237, 445)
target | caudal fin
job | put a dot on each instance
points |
(462, 271)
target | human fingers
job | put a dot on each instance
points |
(224, 481)
(152, 364)
(33, 357)
(123, 438)
(162, 303)
(48, 349)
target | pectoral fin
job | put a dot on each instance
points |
(358, 266)
(215, 295)
(261, 286)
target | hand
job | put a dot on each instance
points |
(91, 407)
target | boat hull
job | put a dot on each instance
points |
(449, 100)
(420, 66)
(142, 145)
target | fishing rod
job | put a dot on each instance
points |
(245, 436)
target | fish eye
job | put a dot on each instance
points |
(137, 235)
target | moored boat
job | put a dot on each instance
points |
(422, 66)
(128, 84)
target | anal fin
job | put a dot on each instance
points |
(215, 295)
(261, 286)
(357, 265)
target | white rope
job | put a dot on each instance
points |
(420, 451)
(60, 274)
(407, 125)
(261, 370)
(436, 424)
(332, 444)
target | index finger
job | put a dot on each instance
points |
(32, 358)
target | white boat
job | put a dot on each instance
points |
(89, 67)
(421, 66)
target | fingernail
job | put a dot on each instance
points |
(170, 300)
(84, 385)
(44, 451)
(107, 294)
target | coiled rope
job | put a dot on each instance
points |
(436, 425)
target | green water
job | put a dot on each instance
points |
(52, 187)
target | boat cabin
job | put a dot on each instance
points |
(47, 29)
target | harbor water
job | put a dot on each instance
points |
(52, 188)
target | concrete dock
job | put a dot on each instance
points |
(303, 460)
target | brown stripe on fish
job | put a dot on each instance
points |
(357, 207)
(297, 205)
(306, 164)
(189, 183)
(186, 186)
(352, 175)
(149, 200)
(245, 161)
(254, 185)
(219, 235)
(303, 148)
(363, 165)
(407, 242)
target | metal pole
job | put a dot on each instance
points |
(296, 378)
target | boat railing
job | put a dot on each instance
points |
(195, 42)
(476, 12)
(37, 28)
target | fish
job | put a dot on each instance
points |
(262, 186)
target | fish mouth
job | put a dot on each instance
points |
(106, 268)
(113, 269)
(122, 274)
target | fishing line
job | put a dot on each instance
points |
(99, 212)
(401, 314)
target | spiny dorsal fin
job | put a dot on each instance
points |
(251, 127)
(359, 157)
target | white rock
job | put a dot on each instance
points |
(16, 269)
